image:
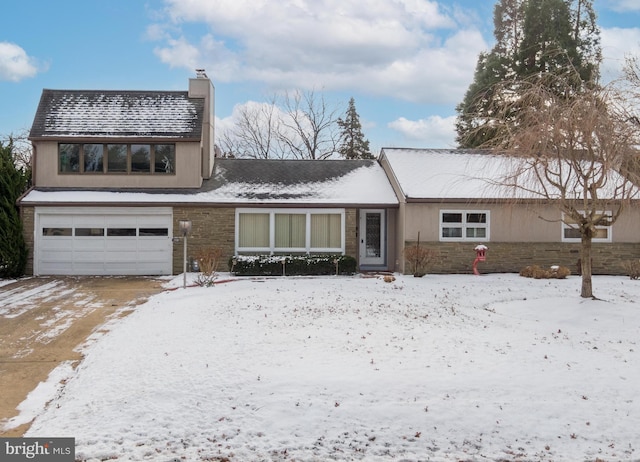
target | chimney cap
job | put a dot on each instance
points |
(201, 74)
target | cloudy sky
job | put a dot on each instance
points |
(407, 63)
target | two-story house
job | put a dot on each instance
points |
(115, 172)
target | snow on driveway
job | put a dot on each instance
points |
(441, 368)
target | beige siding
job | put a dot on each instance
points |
(520, 235)
(187, 171)
(203, 88)
(627, 228)
(508, 223)
(511, 222)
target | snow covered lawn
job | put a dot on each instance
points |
(441, 368)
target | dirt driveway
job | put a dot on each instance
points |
(43, 320)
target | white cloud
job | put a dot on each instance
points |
(618, 43)
(179, 53)
(15, 64)
(434, 131)
(625, 5)
(409, 49)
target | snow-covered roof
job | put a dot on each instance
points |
(445, 173)
(461, 174)
(91, 113)
(255, 182)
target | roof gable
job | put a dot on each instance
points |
(104, 114)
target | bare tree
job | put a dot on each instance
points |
(298, 125)
(569, 149)
(309, 129)
(255, 132)
(22, 149)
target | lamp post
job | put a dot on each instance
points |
(185, 229)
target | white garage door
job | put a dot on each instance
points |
(103, 241)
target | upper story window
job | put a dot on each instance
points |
(93, 155)
(464, 225)
(97, 158)
(69, 158)
(571, 232)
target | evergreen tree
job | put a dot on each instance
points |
(534, 38)
(353, 145)
(13, 181)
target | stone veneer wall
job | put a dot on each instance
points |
(27, 214)
(215, 227)
(351, 236)
(211, 228)
(458, 257)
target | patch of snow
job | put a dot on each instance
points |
(438, 368)
(4, 282)
(42, 394)
(16, 302)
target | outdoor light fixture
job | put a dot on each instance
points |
(185, 229)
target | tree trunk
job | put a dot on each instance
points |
(585, 266)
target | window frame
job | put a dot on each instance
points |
(307, 249)
(130, 167)
(464, 225)
(566, 226)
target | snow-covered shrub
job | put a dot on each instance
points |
(281, 265)
(632, 267)
(536, 272)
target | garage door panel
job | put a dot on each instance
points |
(56, 267)
(88, 245)
(89, 220)
(57, 254)
(88, 267)
(120, 256)
(114, 244)
(104, 241)
(153, 245)
(88, 256)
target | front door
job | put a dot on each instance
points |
(372, 237)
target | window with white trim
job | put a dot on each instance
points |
(464, 225)
(571, 231)
(280, 231)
